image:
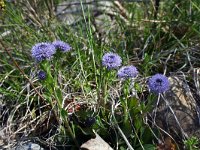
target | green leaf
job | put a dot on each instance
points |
(138, 87)
(146, 134)
(86, 131)
(63, 113)
(122, 148)
(127, 129)
(133, 102)
(49, 81)
(59, 95)
(48, 98)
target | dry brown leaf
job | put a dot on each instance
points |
(167, 145)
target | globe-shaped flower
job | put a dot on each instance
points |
(89, 121)
(42, 51)
(41, 75)
(64, 47)
(127, 72)
(158, 83)
(111, 60)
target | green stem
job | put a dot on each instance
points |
(52, 85)
(126, 93)
(64, 114)
(70, 132)
(105, 88)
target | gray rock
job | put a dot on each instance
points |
(71, 11)
(179, 117)
(28, 146)
(96, 144)
(1, 137)
(102, 13)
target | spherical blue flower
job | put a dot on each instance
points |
(41, 75)
(89, 121)
(111, 60)
(64, 47)
(127, 72)
(42, 51)
(158, 83)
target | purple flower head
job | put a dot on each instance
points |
(41, 75)
(127, 72)
(111, 60)
(42, 51)
(89, 121)
(64, 47)
(158, 83)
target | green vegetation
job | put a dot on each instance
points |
(78, 95)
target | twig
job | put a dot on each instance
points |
(133, 128)
(165, 64)
(16, 65)
(120, 131)
(167, 103)
(164, 132)
(154, 118)
(122, 10)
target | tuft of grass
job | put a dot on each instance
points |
(155, 39)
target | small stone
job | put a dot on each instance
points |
(28, 146)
